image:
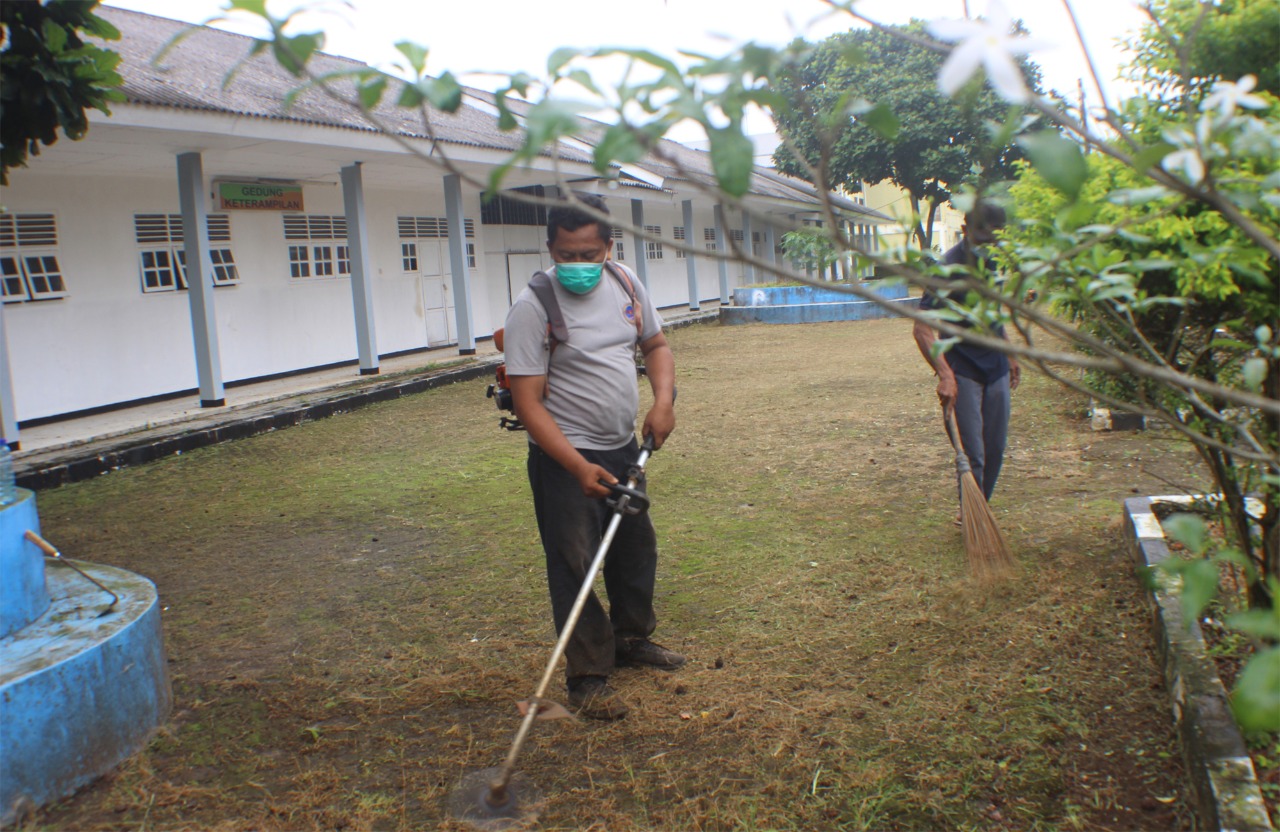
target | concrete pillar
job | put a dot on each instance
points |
(722, 247)
(748, 247)
(361, 270)
(199, 269)
(690, 263)
(8, 411)
(770, 244)
(642, 258)
(458, 264)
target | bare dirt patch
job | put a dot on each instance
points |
(353, 606)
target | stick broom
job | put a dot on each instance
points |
(985, 547)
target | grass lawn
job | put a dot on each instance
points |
(352, 607)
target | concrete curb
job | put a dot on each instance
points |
(1224, 787)
(60, 466)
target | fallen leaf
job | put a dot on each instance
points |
(546, 709)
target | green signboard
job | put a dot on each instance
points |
(259, 196)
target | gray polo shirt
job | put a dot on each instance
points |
(594, 393)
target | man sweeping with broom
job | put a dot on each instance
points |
(974, 382)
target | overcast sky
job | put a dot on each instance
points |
(518, 35)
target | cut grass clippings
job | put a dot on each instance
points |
(353, 606)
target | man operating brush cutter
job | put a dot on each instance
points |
(574, 388)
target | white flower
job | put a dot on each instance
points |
(1187, 162)
(1227, 95)
(989, 42)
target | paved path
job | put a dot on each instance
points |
(75, 449)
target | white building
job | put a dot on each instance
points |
(326, 243)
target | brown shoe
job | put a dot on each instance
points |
(643, 651)
(592, 697)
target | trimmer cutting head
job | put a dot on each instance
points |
(475, 801)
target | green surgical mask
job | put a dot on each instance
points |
(579, 278)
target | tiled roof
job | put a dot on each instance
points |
(195, 72)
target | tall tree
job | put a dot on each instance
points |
(929, 146)
(1189, 44)
(49, 75)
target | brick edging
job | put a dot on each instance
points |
(1224, 786)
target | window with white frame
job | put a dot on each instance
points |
(653, 248)
(709, 238)
(29, 267)
(413, 230)
(318, 246)
(677, 232)
(162, 259)
(619, 248)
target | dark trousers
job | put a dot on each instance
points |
(572, 526)
(982, 414)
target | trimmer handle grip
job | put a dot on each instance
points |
(626, 499)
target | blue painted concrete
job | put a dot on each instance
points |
(793, 295)
(23, 594)
(812, 313)
(79, 691)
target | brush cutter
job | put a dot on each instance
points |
(494, 798)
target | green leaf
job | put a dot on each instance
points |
(583, 79)
(1189, 530)
(619, 144)
(371, 91)
(732, 159)
(1150, 157)
(506, 119)
(55, 35)
(292, 53)
(415, 54)
(1256, 699)
(1199, 586)
(559, 58)
(1259, 623)
(444, 93)
(644, 56)
(495, 179)
(410, 96)
(853, 54)
(1058, 160)
(258, 7)
(879, 117)
(547, 122)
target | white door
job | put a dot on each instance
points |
(521, 266)
(432, 254)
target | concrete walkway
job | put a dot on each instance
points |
(75, 449)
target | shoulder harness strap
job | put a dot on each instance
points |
(540, 285)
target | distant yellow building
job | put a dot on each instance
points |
(888, 198)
